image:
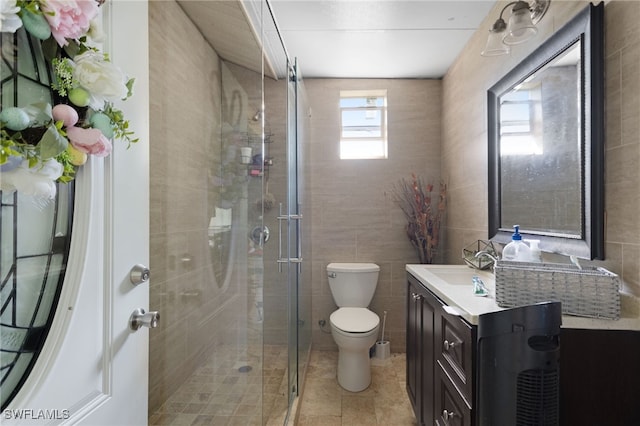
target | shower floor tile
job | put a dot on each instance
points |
(227, 391)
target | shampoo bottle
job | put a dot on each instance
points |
(517, 249)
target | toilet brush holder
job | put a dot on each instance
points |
(383, 350)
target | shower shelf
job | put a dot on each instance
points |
(257, 170)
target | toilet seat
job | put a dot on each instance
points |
(354, 320)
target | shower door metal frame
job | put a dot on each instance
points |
(294, 245)
(290, 219)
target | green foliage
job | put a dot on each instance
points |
(14, 145)
(63, 71)
(120, 125)
(69, 170)
(52, 143)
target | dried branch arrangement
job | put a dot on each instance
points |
(424, 214)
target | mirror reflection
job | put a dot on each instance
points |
(540, 134)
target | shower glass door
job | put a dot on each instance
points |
(207, 175)
(225, 175)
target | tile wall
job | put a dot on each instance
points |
(175, 190)
(185, 121)
(439, 128)
(354, 219)
(464, 132)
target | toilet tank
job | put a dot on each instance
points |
(353, 284)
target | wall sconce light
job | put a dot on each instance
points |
(521, 27)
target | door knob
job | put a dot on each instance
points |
(140, 318)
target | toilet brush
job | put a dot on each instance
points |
(383, 348)
(384, 321)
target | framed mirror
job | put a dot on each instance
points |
(546, 143)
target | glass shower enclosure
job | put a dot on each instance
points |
(228, 220)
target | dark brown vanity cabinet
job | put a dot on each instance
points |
(599, 372)
(420, 356)
(439, 360)
(454, 342)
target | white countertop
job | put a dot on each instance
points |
(453, 285)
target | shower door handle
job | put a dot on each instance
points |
(298, 219)
(280, 218)
(288, 217)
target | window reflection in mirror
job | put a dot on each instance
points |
(541, 150)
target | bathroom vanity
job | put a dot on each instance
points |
(599, 359)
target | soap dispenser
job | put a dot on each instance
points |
(517, 249)
(536, 253)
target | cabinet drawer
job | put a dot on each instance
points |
(450, 407)
(454, 339)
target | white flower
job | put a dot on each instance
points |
(96, 33)
(102, 79)
(37, 181)
(9, 19)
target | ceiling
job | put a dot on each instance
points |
(344, 38)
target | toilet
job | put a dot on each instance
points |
(353, 326)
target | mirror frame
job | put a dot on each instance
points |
(588, 27)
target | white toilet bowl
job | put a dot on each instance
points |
(355, 331)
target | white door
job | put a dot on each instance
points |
(93, 369)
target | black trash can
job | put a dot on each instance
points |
(519, 366)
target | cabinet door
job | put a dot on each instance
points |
(413, 348)
(454, 347)
(599, 377)
(428, 307)
(420, 359)
(451, 409)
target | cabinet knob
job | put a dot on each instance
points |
(448, 415)
(449, 345)
(416, 296)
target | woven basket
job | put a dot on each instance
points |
(588, 292)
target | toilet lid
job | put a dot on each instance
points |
(354, 320)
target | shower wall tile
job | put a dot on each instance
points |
(185, 124)
(355, 219)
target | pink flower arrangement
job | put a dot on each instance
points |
(69, 19)
(89, 141)
(83, 119)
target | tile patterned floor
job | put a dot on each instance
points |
(218, 394)
(221, 393)
(384, 402)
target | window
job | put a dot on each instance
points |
(363, 124)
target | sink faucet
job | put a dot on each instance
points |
(484, 253)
